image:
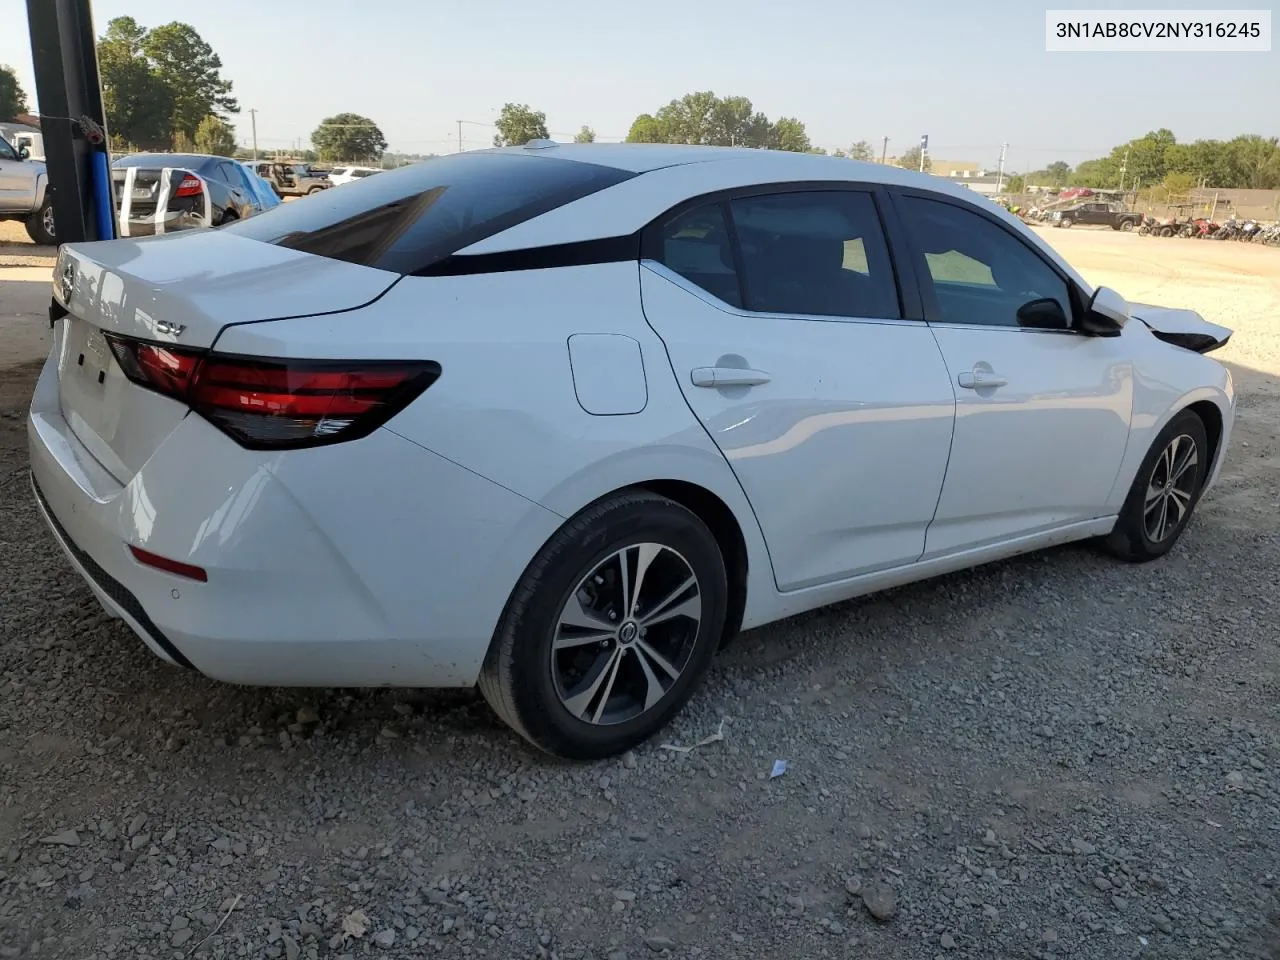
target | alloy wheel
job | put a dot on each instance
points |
(626, 634)
(46, 220)
(1170, 488)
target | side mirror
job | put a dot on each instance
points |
(24, 152)
(1106, 314)
(1043, 314)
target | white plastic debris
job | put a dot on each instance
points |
(710, 738)
(779, 768)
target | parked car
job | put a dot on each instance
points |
(24, 193)
(340, 175)
(164, 192)
(1097, 213)
(291, 179)
(560, 420)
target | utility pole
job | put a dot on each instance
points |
(884, 150)
(253, 118)
(1124, 166)
(1000, 168)
(459, 136)
(924, 148)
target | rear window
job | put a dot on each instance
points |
(407, 219)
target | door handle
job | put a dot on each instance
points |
(979, 380)
(728, 377)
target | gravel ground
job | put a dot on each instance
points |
(1058, 756)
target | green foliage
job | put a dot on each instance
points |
(703, 118)
(160, 83)
(215, 137)
(348, 136)
(518, 124)
(13, 99)
(585, 135)
(1056, 173)
(1016, 185)
(1247, 161)
(861, 150)
(192, 73)
(910, 160)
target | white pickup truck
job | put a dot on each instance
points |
(24, 193)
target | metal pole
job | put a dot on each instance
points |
(253, 118)
(65, 56)
(884, 150)
(459, 136)
(1000, 172)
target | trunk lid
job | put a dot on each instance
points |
(180, 290)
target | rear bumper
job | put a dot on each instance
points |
(373, 563)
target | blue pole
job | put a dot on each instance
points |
(103, 208)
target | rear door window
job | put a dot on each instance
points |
(407, 219)
(819, 254)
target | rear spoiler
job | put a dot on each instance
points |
(166, 175)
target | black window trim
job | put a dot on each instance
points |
(932, 310)
(906, 283)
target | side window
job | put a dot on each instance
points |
(981, 273)
(820, 253)
(696, 246)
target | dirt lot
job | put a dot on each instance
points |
(1054, 756)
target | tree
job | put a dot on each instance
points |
(13, 99)
(861, 151)
(215, 137)
(788, 133)
(706, 119)
(348, 136)
(518, 124)
(192, 73)
(910, 160)
(1057, 173)
(585, 135)
(136, 99)
(1016, 184)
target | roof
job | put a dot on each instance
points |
(167, 159)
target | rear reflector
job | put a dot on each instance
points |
(278, 404)
(168, 566)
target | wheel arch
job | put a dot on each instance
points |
(724, 526)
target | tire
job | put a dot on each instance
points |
(1126, 226)
(314, 190)
(1166, 231)
(40, 227)
(1065, 223)
(531, 686)
(1137, 537)
(1144, 230)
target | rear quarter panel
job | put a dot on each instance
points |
(505, 406)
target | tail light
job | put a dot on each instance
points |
(189, 186)
(277, 404)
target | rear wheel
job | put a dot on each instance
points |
(40, 226)
(314, 190)
(1164, 493)
(1166, 231)
(1126, 225)
(1066, 222)
(610, 629)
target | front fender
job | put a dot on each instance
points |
(42, 184)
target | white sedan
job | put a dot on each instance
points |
(340, 175)
(560, 420)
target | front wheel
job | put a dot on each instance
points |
(1164, 493)
(610, 629)
(1065, 223)
(40, 226)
